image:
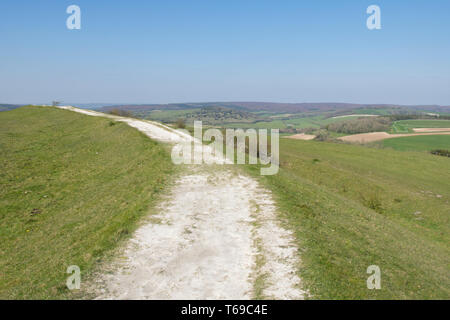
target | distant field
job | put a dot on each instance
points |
(419, 143)
(168, 115)
(374, 111)
(313, 122)
(238, 116)
(252, 119)
(274, 124)
(352, 206)
(406, 126)
(293, 121)
(71, 187)
(355, 115)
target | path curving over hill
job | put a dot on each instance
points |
(216, 236)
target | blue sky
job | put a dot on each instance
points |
(184, 51)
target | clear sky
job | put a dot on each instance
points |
(185, 51)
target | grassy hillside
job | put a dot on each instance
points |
(72, 187)
(351, 207)
(406, 126)
(419, 143)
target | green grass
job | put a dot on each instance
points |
(89, 179)
(352, 206)
(273, 124)
(419, 143)
(406, 126)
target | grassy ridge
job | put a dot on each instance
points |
(72, 187)
(351, 207)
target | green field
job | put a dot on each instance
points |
(377, 111)
(352, 206)
(292, 121)
(272, 124)
(419, 143)
(169, 115)
(72, 187)
(406, 126)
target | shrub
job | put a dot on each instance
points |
(441, 152)
(322, 135)
(372, 201)
(181, 124)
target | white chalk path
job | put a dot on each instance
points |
(215, 234)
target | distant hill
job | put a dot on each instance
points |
(6, 107)
(275, 106)
(149, 107)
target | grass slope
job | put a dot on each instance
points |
(351, 207)
(419, 143)
(72, 187)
